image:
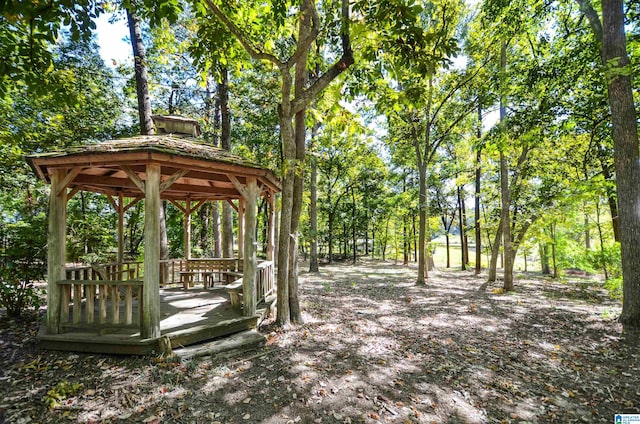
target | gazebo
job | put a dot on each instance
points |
(169, 167)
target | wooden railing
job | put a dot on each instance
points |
(175, 267)
(101, 297)
(265, 280)
(110, 271)
(107, 304)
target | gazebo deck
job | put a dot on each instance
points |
(186, 317)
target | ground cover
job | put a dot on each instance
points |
(375, 348)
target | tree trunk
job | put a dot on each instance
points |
(495, 252)
(504, 187)
(215, 223)
(611, 34)
(626, 156)
(465, 238)
(142, 78)
(422, 226)
(599, 226)
(330, 237)
(313, 209)
(463, 257)
(478, 176)
(225, 143)
(446, 236)
(544, 258)
(353, 226)
(587, 230)
(613, 203)
(301, 76)
(552, 230)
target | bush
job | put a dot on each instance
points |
(16, 296)
(22, 262)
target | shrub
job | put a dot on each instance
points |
(22, 262)
(16, 296)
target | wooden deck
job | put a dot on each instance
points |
(187, 317)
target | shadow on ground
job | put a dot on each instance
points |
(375, 348)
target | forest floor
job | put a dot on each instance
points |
(375, 348)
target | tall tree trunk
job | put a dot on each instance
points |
(146, 122)
(552, 230)
(353, 226)
(505, 193)
(330, 235)
(142, 78)
(313, 207)
(422, 226)
(300, 81)
(611, 33)
(205, 224)
(476, 203)
(465, 238)
(613, 202)
(463, 257)
(415, 238)
(544, 258)
(215, 223)
(599, 225)
(446, 237)
(495, 252)
(225, 143)
(587, 230)
(626, 156)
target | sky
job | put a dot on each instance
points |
(112, 39)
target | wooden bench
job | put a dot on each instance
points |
(209, 271)
(235, 293)
(187, 278)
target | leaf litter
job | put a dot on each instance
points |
(375, 349)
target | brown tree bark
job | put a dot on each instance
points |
(611, 37)
(476, 204)
(142, 78)
(225, 143)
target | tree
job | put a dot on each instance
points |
(610, 37)
(294, 100)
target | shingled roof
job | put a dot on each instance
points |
(199, 170)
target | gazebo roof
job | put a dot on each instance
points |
(189, 169)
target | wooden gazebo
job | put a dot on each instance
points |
(150, 168)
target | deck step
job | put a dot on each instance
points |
(226, 346)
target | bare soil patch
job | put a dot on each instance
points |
(375, 348)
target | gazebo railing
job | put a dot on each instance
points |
(265, 280)
(99, 299)
(108, 304)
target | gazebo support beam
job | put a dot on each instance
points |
(151, 293)
(241, 226)
(187, 229)
(248, 204)
(250, 262)
(271, 226)
(56, 248)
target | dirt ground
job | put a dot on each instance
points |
(375, 348)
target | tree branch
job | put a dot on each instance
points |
(254, 51)
(594, 20)
(346, 60)
(305, 42)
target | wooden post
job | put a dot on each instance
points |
(241, 206)
(250, 262)
(187, 229)
(120, 234)
(151, 293)
(271, 227)
(56, 248)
